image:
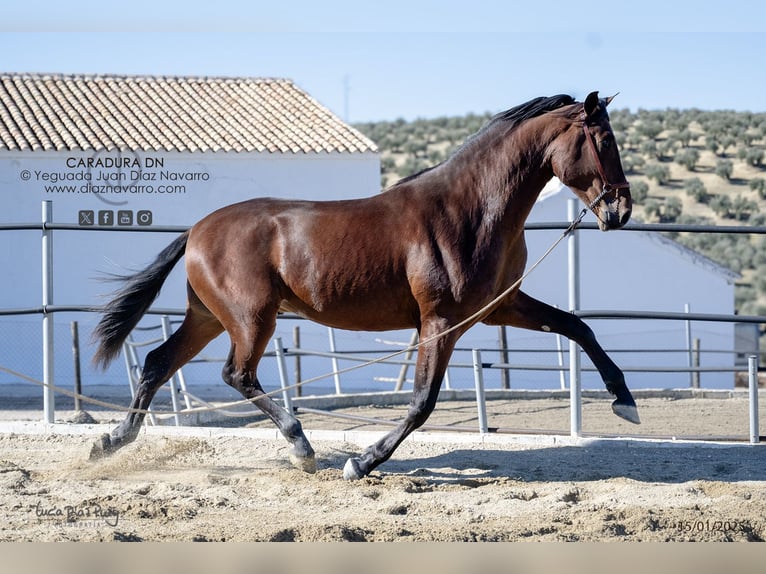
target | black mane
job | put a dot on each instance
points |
(533, 108)
(515, 115)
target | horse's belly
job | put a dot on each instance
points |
(371, 316)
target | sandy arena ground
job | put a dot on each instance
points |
(235, 484)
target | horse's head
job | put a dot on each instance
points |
(586, 159)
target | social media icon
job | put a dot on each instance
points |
(124, 217)
(85, 217)
(106, 217)
(144, 217)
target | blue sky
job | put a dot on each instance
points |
(384, 60)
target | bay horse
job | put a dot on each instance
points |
(427, 253)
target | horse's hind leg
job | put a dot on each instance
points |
(197, 330)
(240, 373)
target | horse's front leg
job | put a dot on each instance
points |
(523, 311)
(431, 364)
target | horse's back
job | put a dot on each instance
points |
(338, 262)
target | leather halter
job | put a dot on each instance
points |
(608, 187)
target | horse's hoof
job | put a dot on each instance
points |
(351, 470)
(101, 448)
(305, 463)
(629, 412)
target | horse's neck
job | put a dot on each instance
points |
(512, 171)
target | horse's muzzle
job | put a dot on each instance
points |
(614, 214)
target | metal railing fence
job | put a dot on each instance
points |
(47, 308)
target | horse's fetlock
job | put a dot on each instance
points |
(293, 429)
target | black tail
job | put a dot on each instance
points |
(131, 302)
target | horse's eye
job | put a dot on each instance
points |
(606, 142)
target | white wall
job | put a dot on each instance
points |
(81, 257)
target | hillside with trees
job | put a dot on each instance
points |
(684, 166)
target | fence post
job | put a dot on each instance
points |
(407, 356)
(689, 349)
(167, 331)
(478, 377)
(76, 362)
(560, 355)
(696, 374)
(752, 371)
(298, 371)
(505, 374)
(335, 364)
(283, 378)
(575, 402)
(49, 406)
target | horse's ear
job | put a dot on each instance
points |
(608, 100)
(591, 104)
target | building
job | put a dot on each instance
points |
(121, 152)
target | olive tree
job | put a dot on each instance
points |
(758, 184)
(659, 173)
(687, 157)
(696, 188)
(724, 168)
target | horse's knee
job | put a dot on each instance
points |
(417, 417)
(419, 412)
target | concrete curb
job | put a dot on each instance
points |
(365, 438)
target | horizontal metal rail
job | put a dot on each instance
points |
(670, 316)
(75, 227)
(529, 226)
(583, 314)
(655, 227)
(510, 366)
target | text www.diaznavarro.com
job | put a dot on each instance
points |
(90, 188)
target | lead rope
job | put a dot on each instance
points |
(467, 321)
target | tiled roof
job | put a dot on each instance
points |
(157, 113)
